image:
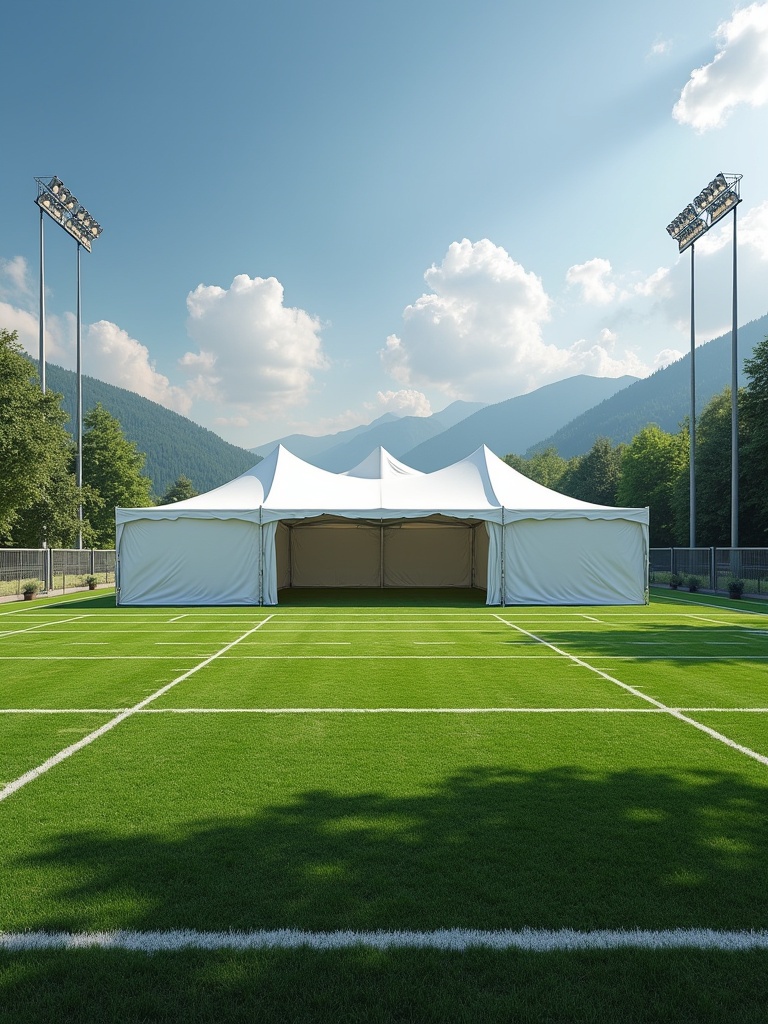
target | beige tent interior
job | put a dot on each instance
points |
(286, 523)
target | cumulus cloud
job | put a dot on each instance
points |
(738, 74)
(478, 333)
(406, 402)
(593, 277)
(660, 48)
(114, 356)
(16, 270)
(253, 351)
(655, 284)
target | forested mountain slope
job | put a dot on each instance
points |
(173, 444)
(663, 398)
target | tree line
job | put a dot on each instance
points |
(39, 496)
(653, 469)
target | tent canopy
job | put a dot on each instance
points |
(158, 547)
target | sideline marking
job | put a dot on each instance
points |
(651, 700)
(62, 755)
(178, 617)
(376, 711)
(40, 625)
(534, 940)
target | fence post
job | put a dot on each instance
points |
(712, 569)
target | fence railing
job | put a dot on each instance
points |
(712, 568)
(53, 568)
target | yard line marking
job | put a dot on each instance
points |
(651, 700)
(532, 940)
(60, 711)
(22, 780)
(40, 625)
(590, 617)
(179, 617)
(376, 711)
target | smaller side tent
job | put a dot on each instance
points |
(476, 523)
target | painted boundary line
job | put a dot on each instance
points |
(450, 939)
(62, 755)
(377, 711)
(650, 700)
(40, 625)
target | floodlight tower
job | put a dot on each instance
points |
(55, 199)
(710, 206)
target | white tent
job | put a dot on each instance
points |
(286, 523)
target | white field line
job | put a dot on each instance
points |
(605, 656)
(375, 711)
(755, 607)
(177, 618)
(651, 700)
(34, 773)
(40, 625)
(533, 940)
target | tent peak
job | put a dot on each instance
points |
(380, 464)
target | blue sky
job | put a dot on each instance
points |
(317, 212)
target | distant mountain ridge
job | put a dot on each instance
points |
(517, 423)
(344, 450)
(663, 398)
(173, 444)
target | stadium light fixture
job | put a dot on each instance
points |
(710, 206)
(55, 199)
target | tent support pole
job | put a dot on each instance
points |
(381, 554)
(503, 581)
(261, 560)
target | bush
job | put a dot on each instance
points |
(675, 580)
(31, 587)
(735, 588)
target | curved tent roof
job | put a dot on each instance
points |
(283, 486)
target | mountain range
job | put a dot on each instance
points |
(568, 415)
(173, 444)
(663, 398)
(431, 442)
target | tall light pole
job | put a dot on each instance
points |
(55, 199)
(710, 206)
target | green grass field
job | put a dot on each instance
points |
(382, 762)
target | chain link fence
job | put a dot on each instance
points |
(711, 568)
(53, 569)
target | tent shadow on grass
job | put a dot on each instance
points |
(488, 848)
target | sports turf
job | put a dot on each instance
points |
(384, 761)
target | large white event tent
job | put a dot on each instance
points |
(286, 523)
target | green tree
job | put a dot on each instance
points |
(54, 515)
(650, 468)
(34, 445)
(545, 467)
(595, 476)
(753, 456)
(179, 491)
(112, 468)
(713, 476)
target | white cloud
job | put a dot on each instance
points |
(660, 48)
(113, 356)
(25, 324)
(753, 230)
(593, 277)
(254, 352)
(478, 334)
(17, 271)
(738, 74)
(667, 356)
(407, 402)
(656, 283)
